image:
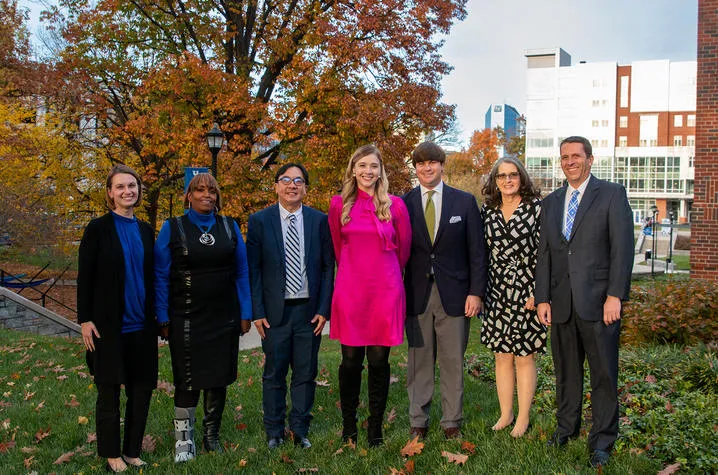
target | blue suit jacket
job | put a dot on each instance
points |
(265, 254)
(597, 259)
(458, 255)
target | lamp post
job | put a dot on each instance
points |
(654, 214)
(669, 259)
(215, 140)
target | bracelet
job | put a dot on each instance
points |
(163, 324)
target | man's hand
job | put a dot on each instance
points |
(611, 310)
(473, 306)
(165, 332)
(320, 321)
(261, 324)
(544, 313)
(88, 331)
(244, 326)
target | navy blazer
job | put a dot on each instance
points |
(595, 262)
(458, 255)
(265, 254)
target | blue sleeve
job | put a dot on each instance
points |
(163, 261)
(242, 275)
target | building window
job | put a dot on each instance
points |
(648, 131)
(623, 121)
(594, 143)
(594, 123)
(623, 141)
(677, 140)
(624, 91)
(596, 103)
(691, 140)
(678, 120)
(604, 123)
(604, 143)
(691, 120)
(691, 162)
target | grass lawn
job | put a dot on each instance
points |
(48, 404)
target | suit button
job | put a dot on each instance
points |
(432, 256)
(570, 252)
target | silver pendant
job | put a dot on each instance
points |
(207, 239)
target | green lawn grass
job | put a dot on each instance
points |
(46, 390)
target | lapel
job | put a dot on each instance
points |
(276, 222)
(446, 201)
(560, 211)
(307, 223)
(590, 194)
(415, 199)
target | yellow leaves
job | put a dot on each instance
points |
(82, 420)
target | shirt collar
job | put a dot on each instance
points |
(438, 188)
(284, 214)
(581, 188)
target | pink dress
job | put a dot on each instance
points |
(369, 305)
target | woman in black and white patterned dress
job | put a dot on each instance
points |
(511, 328)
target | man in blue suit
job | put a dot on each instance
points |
(291, 273)
(445, 281)
(583, 274)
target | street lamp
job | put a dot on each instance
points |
(654, 214)
(215, 140)
(669, 260)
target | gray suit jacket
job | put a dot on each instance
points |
(597, 259)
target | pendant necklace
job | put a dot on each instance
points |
(206, 238)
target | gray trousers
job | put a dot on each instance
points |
(433, 336)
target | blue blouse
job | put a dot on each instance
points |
(163, 262)
(134, 255)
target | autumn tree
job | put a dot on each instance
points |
(306, 80)
(516, 145)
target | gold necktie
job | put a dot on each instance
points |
(430, 214)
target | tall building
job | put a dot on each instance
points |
(504, 116)
(640, 119)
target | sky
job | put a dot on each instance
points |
(487, 49)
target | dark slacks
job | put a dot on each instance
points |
(572, 343)
(291, 344)
(108, 407)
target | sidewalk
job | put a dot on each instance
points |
(252, 339)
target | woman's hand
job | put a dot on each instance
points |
(88, 330)
(530, 303)
(245, 326)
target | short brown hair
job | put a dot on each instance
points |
(427, 152)
(116, 170)
(207, 180)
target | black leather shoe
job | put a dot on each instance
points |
(557, 440)
(599, 458)
(302, 442)
(274, 442)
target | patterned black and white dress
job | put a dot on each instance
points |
(508, 327)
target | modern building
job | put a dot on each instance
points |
(506, 117)
(640, 119)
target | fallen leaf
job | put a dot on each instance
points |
(148, 444)
(391, 416)
(313, 469)
(412, 447)
(458, 459)
(28, 461)
(82, 374)
(241, 426)
(393, 379)
(650, 379)
(64, 457)
(5, 446)
(362, 453)
(6, 424)
(28, 450)
(242, 462)
(286, 459)
(323, 383)
(166, 387)
(28, 395)
(73, 402)
(41, 434)
(251, 450)
(250, 381)
(91, 437)
(409, 466)
(669, 406)
(5, 404)
(62, 378)
(82, 420)
(395, 471)
(39, 406)
(339, 451)
(467, 446)
(670, 469)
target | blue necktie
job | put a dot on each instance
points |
(571, 214)
(292, 262)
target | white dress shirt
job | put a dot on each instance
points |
(284, 218)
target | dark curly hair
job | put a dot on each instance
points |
(527, 190)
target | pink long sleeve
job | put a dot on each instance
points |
(335, 225)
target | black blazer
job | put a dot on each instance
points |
(458, 255)
(100, 299)
(265, 255)
(595, 262)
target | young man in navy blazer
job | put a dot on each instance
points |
(583, 274)
(445, 281)
(291, 274)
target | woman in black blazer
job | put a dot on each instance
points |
(115, 301)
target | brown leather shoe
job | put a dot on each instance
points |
(452, 433)
(417, 431)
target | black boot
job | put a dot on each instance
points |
(214, 400)
(349, 388)
(378, 392)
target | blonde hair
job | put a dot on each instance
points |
(382, 202)
(207, 180)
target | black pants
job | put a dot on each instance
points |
(108, 407)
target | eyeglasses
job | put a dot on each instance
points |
(285, 180)
(505, 176)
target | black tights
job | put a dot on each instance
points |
(353, 356)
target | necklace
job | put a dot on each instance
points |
(206, 238)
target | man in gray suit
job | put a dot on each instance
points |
(583, 275)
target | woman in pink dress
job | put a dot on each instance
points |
(371, 234)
